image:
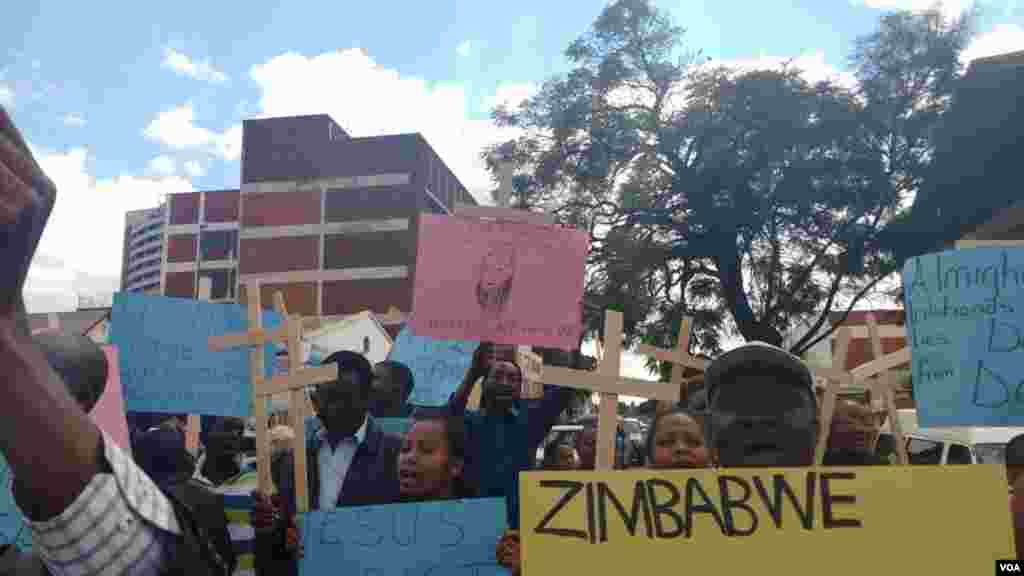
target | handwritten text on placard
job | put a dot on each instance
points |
(504, 282)
(166, 365)
(601, 522)
(966, 328)
(438, 366)
(417, 539)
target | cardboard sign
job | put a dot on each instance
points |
(503, 282)
(108, 413)
(456, 538)
(438, 366)
(965, 319)
(12, 525)
(166, 365)
(811, 521)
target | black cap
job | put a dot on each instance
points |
(757, 357)
(79, 361)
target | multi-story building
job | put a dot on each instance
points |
(142, 250)
(327, 219)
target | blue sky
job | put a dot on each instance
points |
(125, 104)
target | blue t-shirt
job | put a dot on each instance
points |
(499, 447)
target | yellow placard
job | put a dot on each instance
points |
(836, 521)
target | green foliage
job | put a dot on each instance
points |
(751, 196)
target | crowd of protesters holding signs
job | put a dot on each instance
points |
(92, 509)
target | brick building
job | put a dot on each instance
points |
(891, 330)
(329, 220)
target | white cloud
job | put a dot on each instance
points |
(813, 65)
(80, 250)
(950, 8)
(194, 168)
(202, 70)
(510, 95)
(177, 130)
(1000, 40)
(74, 120)
(6, 96)
(163, 166)
(464, 48)
(368, 100)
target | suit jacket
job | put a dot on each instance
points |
(372, 478)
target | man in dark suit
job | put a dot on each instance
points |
(349, 462)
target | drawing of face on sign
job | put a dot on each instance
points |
(495, 275)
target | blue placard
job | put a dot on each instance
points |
(450, 538)
(12, 525)
(438, 366)
(965, 319)
(166, 363)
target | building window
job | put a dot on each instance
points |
(218, 244)
(222, 283)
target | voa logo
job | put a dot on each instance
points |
(1008, 567)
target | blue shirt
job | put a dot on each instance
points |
(499, 446)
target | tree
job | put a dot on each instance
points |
(719, 193)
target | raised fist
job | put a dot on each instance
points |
(26, 199)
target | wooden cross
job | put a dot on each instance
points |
(194, 424)
(885, 385)
(295, 382)
(680, 359)
(532, 365)
(837, 377)
(609, 384)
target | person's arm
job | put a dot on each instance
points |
(477, 369)
(83, 497)
(545, 412)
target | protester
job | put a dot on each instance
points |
(89, 507)
(586, 445)
(675, 440)
(350, 462)
(1014, 455)
(852, 436)
(503, 436)
(393, 383)
(160, 452)
(560, 456)
(763, 411)
(508, 552)
(432, 458)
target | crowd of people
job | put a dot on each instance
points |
(93, 509)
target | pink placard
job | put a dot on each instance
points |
(108, 413)
(503, 282)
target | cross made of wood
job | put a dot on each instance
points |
(294, 383)
(680, 359)
(879, 376)
(836, 378)
(609, 384)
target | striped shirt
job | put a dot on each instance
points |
(121, 523)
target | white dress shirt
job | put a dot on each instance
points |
(121, 523)
(334, 465)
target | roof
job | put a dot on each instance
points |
(342, 322)
(859, 317)
(77, 322)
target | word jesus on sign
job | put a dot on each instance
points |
(741, 521)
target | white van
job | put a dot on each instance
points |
(959, 445)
